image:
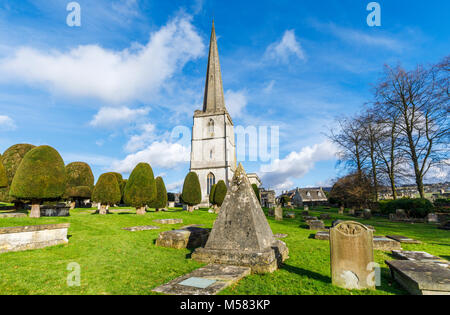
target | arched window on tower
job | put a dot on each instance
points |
(211, 127)
(211, 180)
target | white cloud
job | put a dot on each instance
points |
(110, 117)
(236, 102)
(158, 154)
(288, 46)
(280, 173)
(138, 142)
(360, 38)
(7, 123)
(269, 87)
(135, 73)
(91, 159)
(177, 186)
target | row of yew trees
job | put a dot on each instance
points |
(30, 174)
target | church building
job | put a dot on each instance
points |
(213, 149)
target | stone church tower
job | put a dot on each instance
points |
(213, 153)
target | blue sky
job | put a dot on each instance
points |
(111, 91)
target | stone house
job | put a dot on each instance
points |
(308, 196)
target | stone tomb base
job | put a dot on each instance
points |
(189, 237)
(13, 239)
(385, 244)
(316, 225)
(403, 239)
(208, 280)
(411, 255)
(421, 277)
(55, 211)
(168, 221)
(141, 228)
(12, 215)
(259, 262)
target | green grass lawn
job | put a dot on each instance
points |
(114, 261)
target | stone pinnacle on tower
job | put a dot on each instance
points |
(214, 100)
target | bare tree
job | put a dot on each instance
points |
(349, 138)
(417, 98)
(371, 136)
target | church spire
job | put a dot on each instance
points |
(214, 100)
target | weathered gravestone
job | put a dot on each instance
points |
(12, 215)
(308, 218)
(13, 239)
(279, 213)
(351, 247)
(412, 255)
(306, 207)
(59, 210)
(421, 277)
(189, 237)
(341, 210)
(322, 235)
(208, 280)
(385, 244)
(432, 218)
(316, 225)
(351, 211)
(271, 212)
(169, 221)
(141, 228)
(290, 215)
(366, 214)
(403, 239)
(241, 235)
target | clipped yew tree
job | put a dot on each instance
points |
(256, 190)
(80, 182)
(161, 194)
(192, 193)
(106, 192)
(11, 160)
(140, 190)
(220, 193)
(3, 177)
(211, 194)
(41, 176)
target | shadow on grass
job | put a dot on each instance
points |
(446, 257)
(307, 273)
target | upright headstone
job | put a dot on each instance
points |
(400, 213)
(241, 235)
(279, 213)
(432, 218)
(351, 211)
(351, 247)
(306, 207)
(341, 210)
